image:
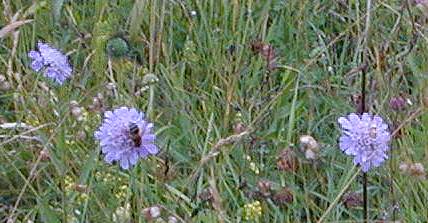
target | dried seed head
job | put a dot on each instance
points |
(2, 119)
(238, 128)
(413, 169)
(264, 187)
(417, 170)
(111, 86)
(73, 104)
(356, 100)
(309, 146)
(254, 195)
(81, 135)
(5, 86)
(352, 199)
(404, 167)
(151, 213)
(397, 103)
(425, 97)
(44, 155)
(287, 160)
(77, 112)
(267, 51)
(97, 103)
(309, 142)
(282, 197)
(81, 188)
(172, 219)
(206, 195)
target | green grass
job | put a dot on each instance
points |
(198, 93)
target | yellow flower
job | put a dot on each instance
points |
(252, 211)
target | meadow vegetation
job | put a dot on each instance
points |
(244, 97)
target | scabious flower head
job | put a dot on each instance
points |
(366, 138)
(54, 64)
(117, 141)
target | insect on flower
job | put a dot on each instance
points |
(125, 136)
(134, 133)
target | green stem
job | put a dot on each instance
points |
(366, 214)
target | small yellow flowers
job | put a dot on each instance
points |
(253, 165)
(252, 211)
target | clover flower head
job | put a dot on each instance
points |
(54, 64)
(118, 139)
(366, 138)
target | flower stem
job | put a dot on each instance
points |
(365, 200)
(363, 107)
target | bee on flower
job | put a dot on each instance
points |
(125, 136)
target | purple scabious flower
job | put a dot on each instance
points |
(125, 136)
(54, 64)
(366, 138)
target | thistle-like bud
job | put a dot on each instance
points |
(117, 47)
